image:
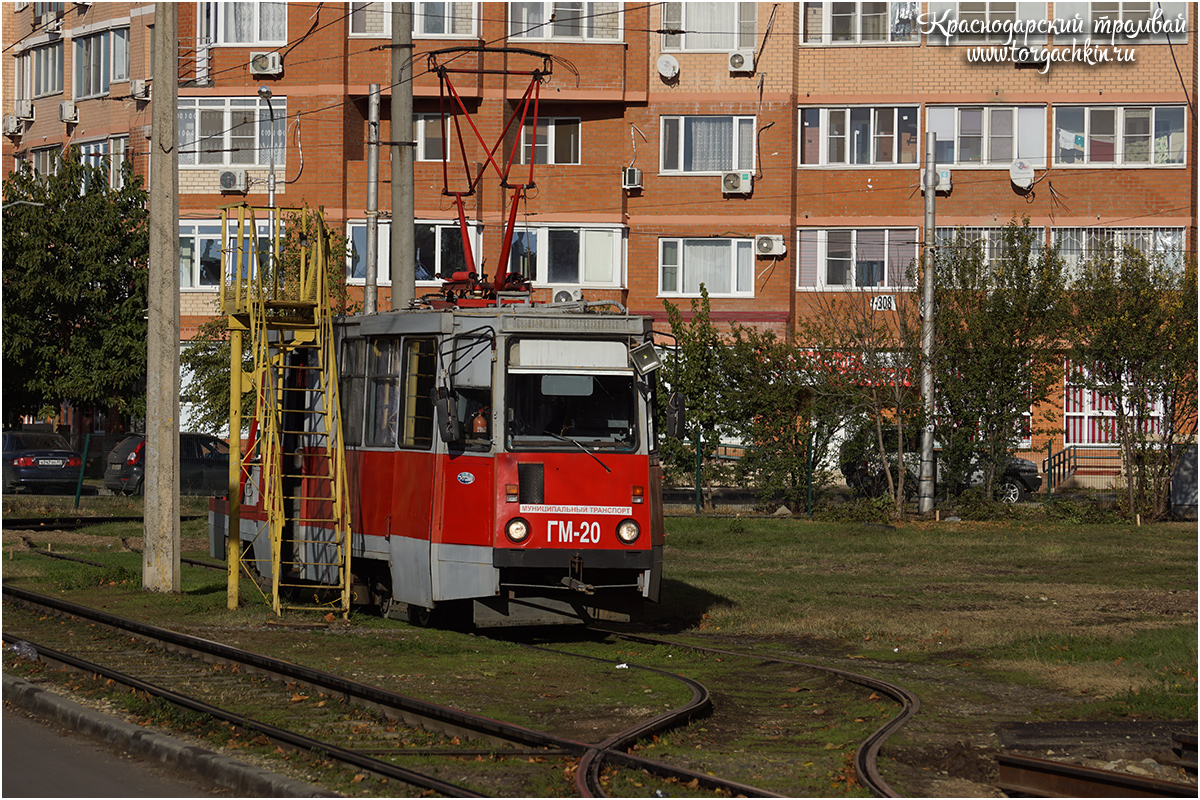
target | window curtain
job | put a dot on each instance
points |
(598, 256)
(706, 261)
(239, 23)
(708, 144)
(273, 22)
(710, 26)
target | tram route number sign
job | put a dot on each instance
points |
(883, 302)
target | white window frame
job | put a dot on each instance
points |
(1085, 140)
(221, 16)
(990, 237)
(689, 17)
(45, 160)
(356, 229)
(987, 12)
(812, 259)
(374, 20)
(40, 71)
(672, 256)
(1089, 415)
(1077, 245)
(825, 118)
(681, 125)
(423, 125)
(1128, 11)
(106, 62)
(550, 21)
(193, 143)
(593, 254)
(1026, 139)
(550, 147)
(901, 26)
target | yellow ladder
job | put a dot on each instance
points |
(297, 465)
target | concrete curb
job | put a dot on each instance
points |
(228, 773)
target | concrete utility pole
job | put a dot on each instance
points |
(404, 287)
(371, 291)
(160, 551)
(925, 484)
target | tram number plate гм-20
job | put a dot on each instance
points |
(571, 532)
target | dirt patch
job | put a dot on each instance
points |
(30, 540)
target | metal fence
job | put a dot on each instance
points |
(1083, 467)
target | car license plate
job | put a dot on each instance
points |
(50, 462)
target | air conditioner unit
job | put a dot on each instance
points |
(139, 89)
(737, 183)
(943, 180)
(769, 245)
(23, 109)
(12, 125)
(266, 63)
(67, 112)
(233, 180)
(567, 295)
(741, 61)
(52, 25)
(631, 178)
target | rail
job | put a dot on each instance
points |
(1083, 466)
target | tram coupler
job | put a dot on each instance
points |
(575, 579)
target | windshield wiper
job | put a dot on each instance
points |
(580, 446)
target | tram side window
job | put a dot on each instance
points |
(420, 367)
(384, 398)
(353, 371)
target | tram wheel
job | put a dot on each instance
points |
(420, 616)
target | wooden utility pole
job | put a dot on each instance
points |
(160, 551)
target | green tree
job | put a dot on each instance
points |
(697, 360)
(206, 359)
(782, 415)
(75, 256)
(866, 362)
(1000, 322)
(1137, 346)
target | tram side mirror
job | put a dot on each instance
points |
(676, 416)
(445, 409)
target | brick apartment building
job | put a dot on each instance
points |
(676, 139)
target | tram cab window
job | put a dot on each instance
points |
(401, 375)
(383, 386)
(420, 365)
(475, 417)
(353, 368)
(597, 410)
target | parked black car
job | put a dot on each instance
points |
(203, 465)
(39, 461)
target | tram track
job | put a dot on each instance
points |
(520, 740)
(1024, 776)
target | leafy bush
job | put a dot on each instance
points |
(1089, 512)
(973, 504)
(864, 510)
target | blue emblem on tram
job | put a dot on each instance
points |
(466, 478)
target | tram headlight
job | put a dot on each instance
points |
(517, 530)
(628, 531)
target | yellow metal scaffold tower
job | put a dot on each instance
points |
(293, 470)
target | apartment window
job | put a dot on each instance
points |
(572, 21)
(861, 22)
(428, 19)
(707, 144)
(40, 71)
(1078, 245)
(849, 258)
(724, 266)
(988, 135)
(859, 136)
(568, 255)
(439, 251)
(1091, 415)
(986, 22)
(249, 23)
(200, 253)
(556, 141)
(45, 160)
(108, 155)
(989, 241)
(94, 154)
(1101, 18)
(709, 26)
(231, 131)
(100, 60)
(428, 131)
(1119, 135)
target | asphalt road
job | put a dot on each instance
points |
(45, 760)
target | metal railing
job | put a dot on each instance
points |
(1083, 466)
